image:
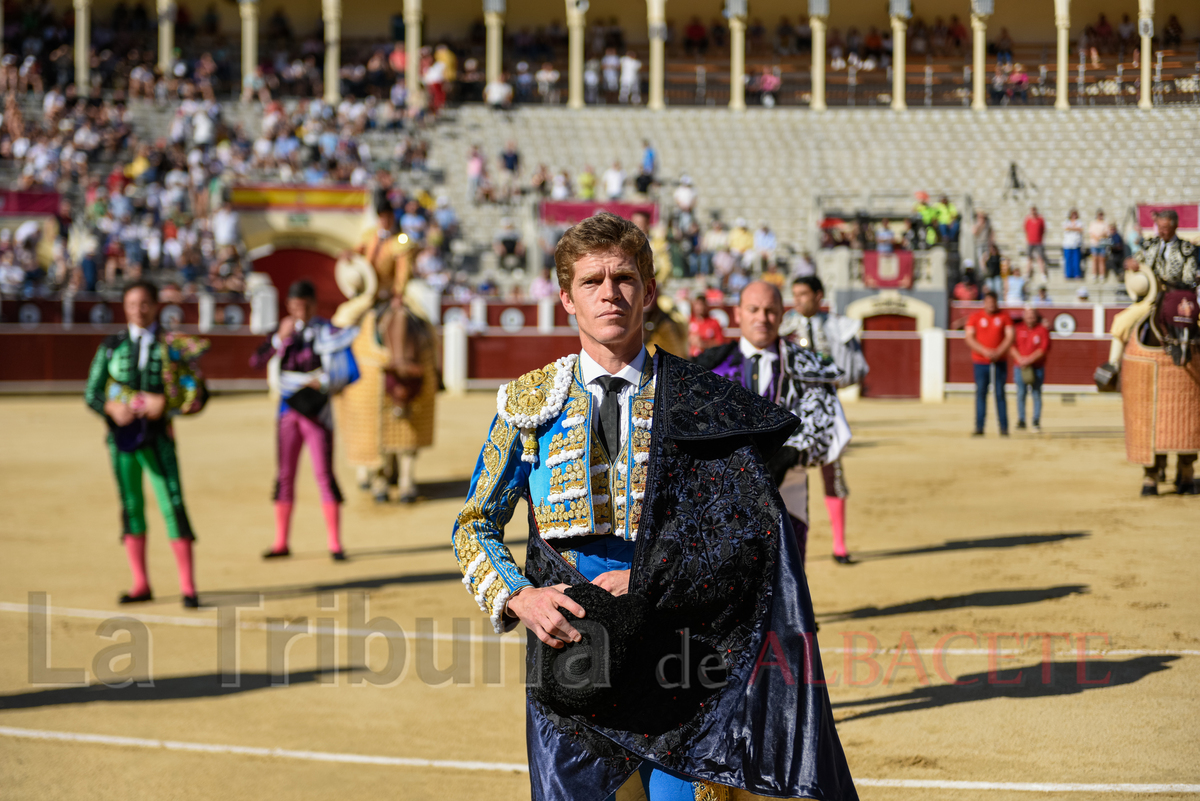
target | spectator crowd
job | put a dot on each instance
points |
(133, 206)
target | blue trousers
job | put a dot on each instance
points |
(599, 555)
(984, 376)
(1071, 258)
(1035, 389)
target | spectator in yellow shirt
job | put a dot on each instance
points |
(741, 241)
(447, 58)
(587, 183)
(140, 163)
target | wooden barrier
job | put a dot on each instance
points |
(51, 356)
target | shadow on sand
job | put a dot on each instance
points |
(987, 598)
(1040, 680)
(983, 543)
(172, 688)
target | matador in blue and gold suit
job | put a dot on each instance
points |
(688, 506)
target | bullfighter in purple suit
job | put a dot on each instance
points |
(793, 377)
(314, 363)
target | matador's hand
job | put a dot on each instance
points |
(287, 327)
(537, 608)
(615, 581)
(119, 413)
(154, 405)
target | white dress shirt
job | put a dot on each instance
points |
(144, 339)
(1162, 248)
(766, 364)
(632, 373)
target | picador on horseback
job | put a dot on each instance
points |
(1154, 356)
(389, 413)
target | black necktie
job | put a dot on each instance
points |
(754, 362)
(610, 414)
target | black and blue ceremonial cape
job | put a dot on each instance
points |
(715, 559)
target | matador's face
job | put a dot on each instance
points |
(609, 298)
(140, 308)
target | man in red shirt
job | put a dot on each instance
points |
(989, 336)
(704, 332)
(1035, 232)
(1030, 346)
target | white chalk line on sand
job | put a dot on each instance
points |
(250, 625)
(1029, 787)
(246, 750)
(211, 623)
(514, 767)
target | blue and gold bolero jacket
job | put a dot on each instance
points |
(542, 441)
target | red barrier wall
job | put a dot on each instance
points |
(46, 355)
(51, 311)
(506, 357)
(14, 202)
(1081, 313)
(1072, 360)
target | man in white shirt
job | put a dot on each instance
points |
(498, 94)
(547, 83)
(614, 181)
(685, 195)
(227, 229)
(764, 244)
(611, 65)
(631, 91)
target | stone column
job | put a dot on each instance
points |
(1146, 30)
(735, 12)
(576, 24)
(899, 57)
(656, 11)
(166, 35)
(331, 13)
(1062, 21)
(817, 23)
(899, 11)
(249, 11)
(493, 20)
(978, 61)
(83, 46)
(412, 50)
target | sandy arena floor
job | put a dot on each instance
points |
(984, 537)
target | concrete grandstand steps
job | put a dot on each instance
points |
(772, 164)
(153, 122)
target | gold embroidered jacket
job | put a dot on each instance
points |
(542, 446)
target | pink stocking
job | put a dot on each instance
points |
(283, 524)
(837, 521)
(135, 551)
(183, 561)
(333, 525)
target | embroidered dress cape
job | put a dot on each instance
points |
(805, 387)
